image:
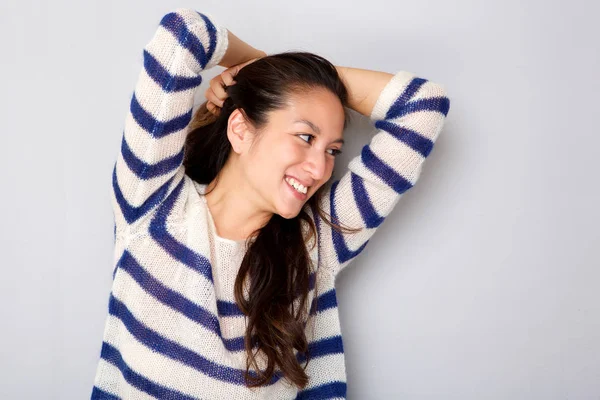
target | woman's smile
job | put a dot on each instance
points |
(295, 192)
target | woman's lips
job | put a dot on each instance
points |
(297, 194)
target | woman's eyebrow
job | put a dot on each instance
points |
(309, 123)
(317, 129)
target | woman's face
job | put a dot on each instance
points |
(290, 148)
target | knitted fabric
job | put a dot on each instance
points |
(173, 329)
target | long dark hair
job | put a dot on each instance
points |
(277, 261)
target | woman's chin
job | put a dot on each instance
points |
(289, 210)
(289, 206)
(288, 213)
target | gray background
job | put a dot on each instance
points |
(482, 284)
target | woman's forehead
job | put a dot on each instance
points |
(319, 112)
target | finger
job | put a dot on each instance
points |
(212, 108)
(229, 74)
(242, 65)
(228, 77)
(216, 83)
(218, 91)
(212, 97)
(209, 106)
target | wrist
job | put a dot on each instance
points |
(239, 52)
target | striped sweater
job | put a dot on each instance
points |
(173, 329)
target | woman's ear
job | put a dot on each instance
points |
(238, 131)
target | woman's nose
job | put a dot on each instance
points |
(317, 165)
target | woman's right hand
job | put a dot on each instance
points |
(216, 94)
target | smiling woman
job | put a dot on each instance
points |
(263, 134)
(261, 172)
(228, 232)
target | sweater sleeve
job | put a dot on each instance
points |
(150, 162)
(408, 115)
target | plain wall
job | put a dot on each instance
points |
(483, 283)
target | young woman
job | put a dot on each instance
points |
(228, 231)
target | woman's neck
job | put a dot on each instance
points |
(234, 206)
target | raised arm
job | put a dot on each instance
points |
(239, 52)
(150, 163)
(364, 87)
(409, 113)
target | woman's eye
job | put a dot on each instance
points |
(334, 152)
(307, 134)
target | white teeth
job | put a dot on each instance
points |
(298, 186)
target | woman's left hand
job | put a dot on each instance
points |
(216, 94)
